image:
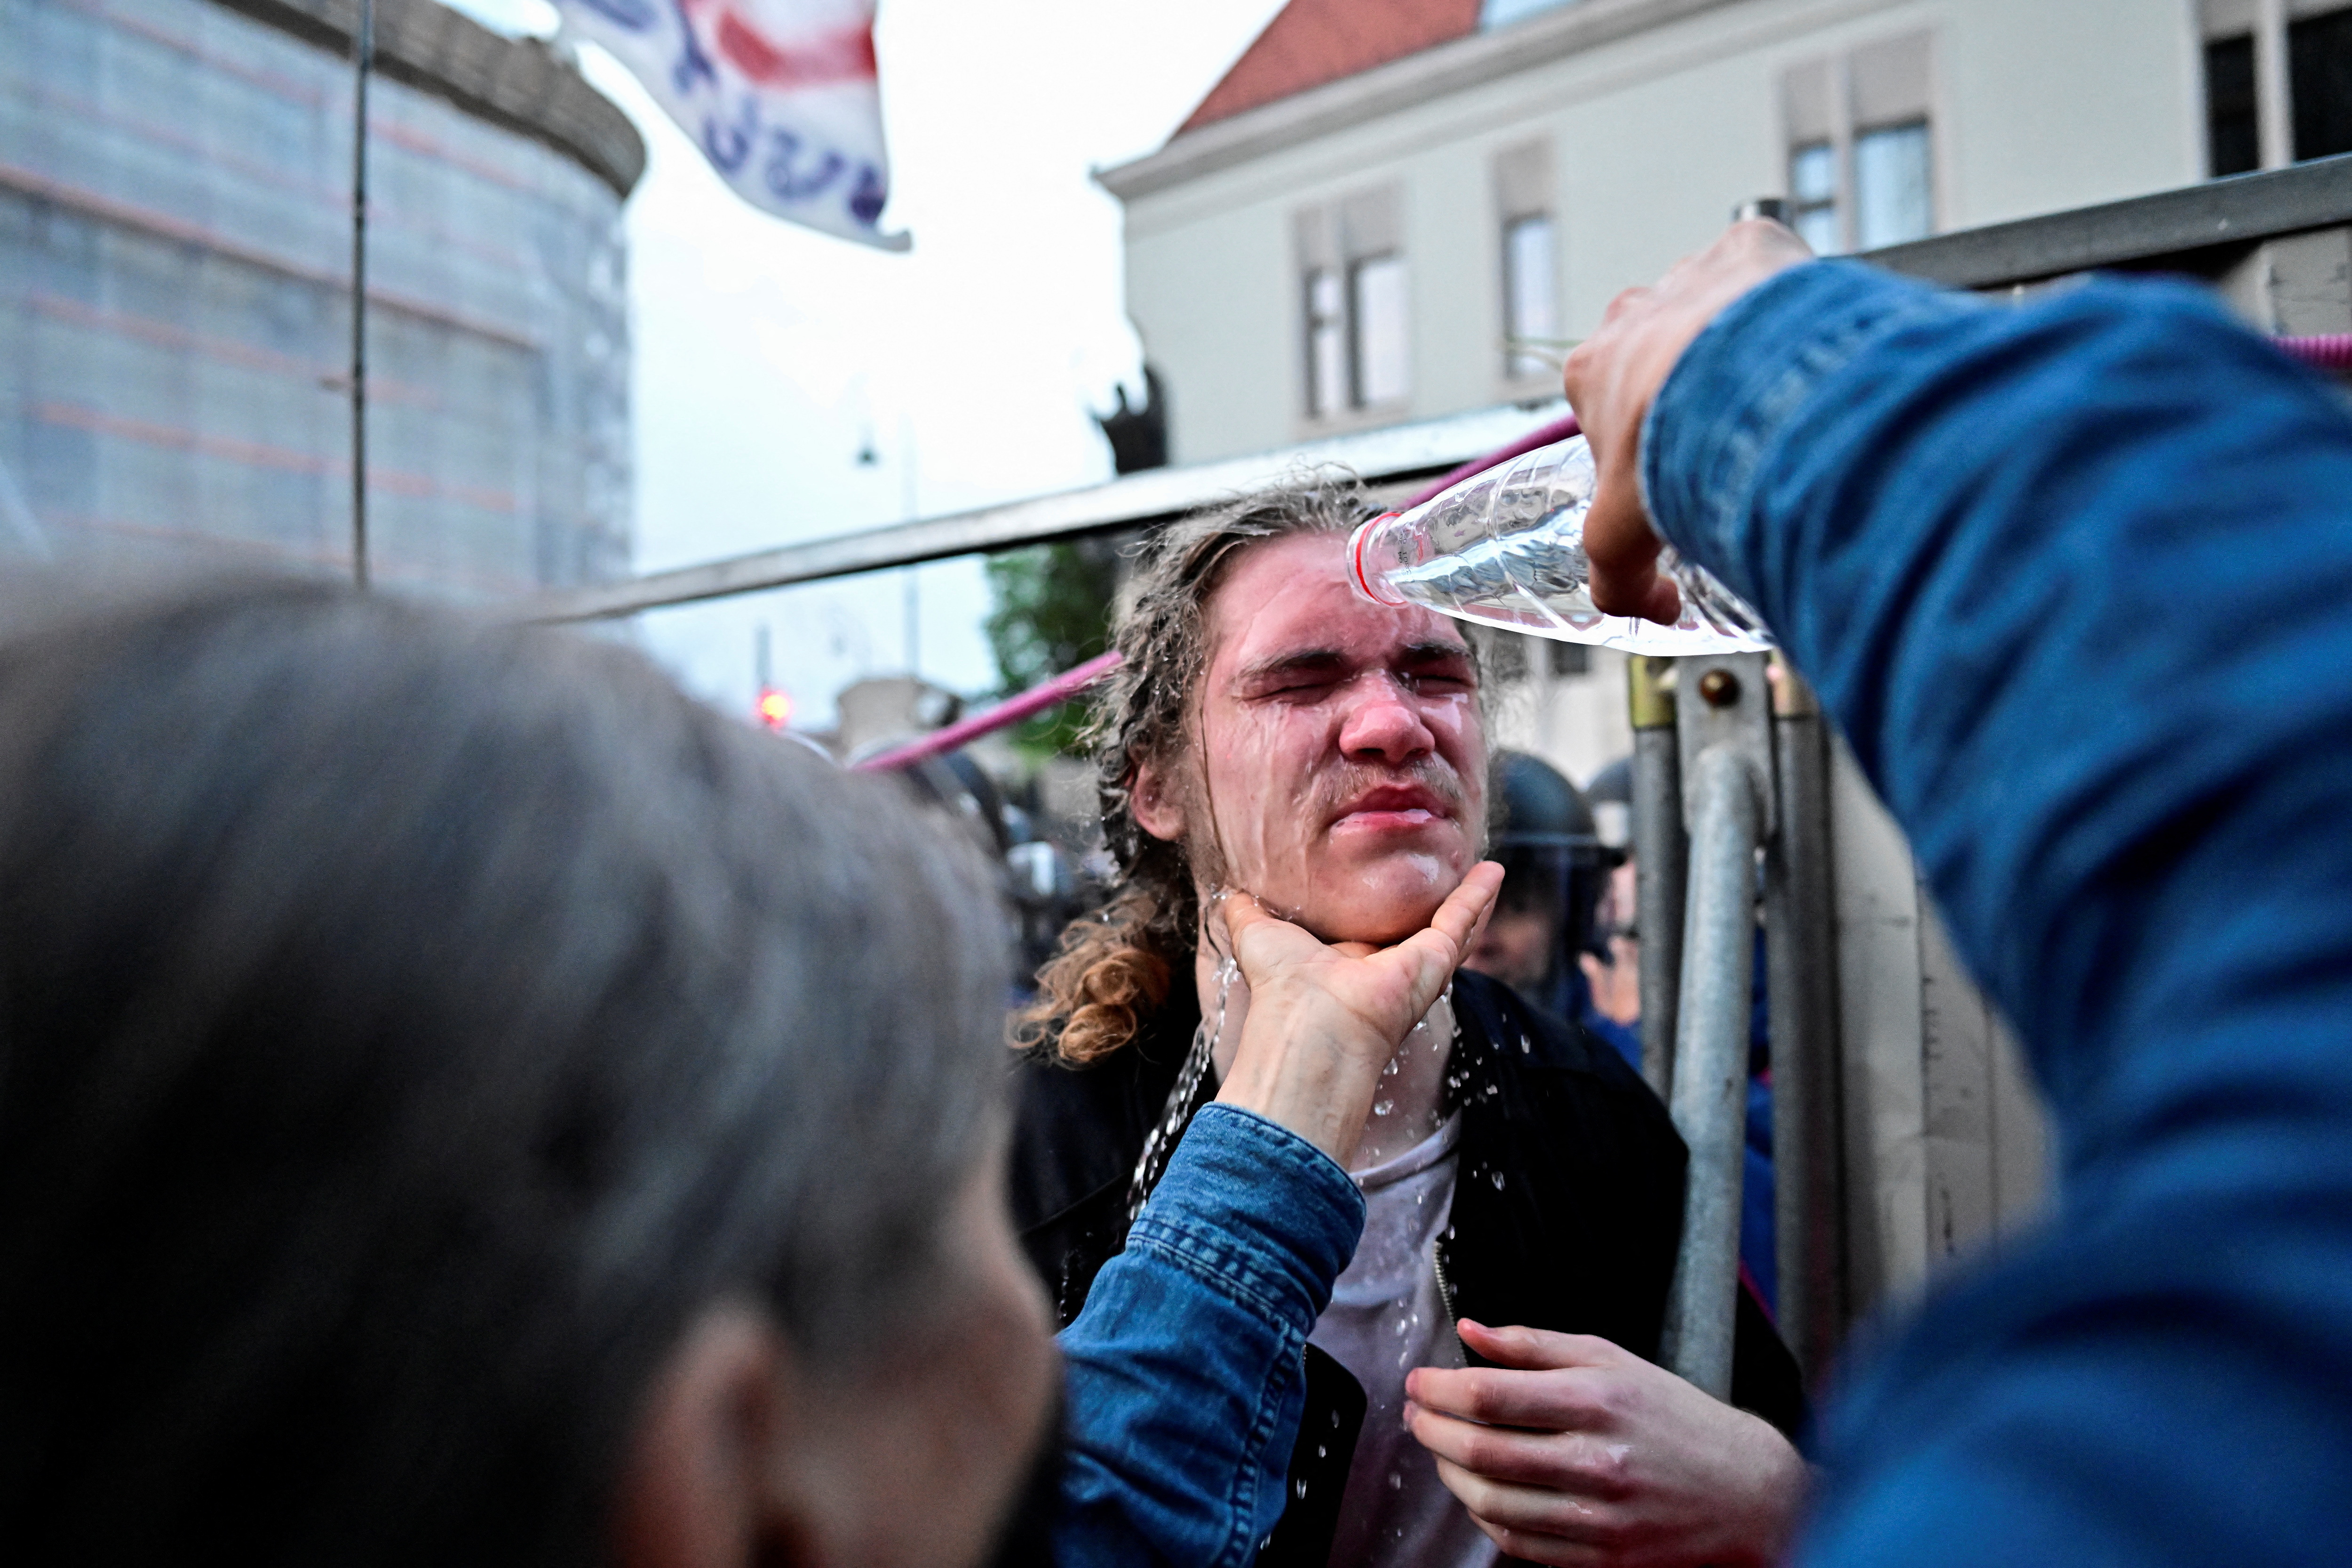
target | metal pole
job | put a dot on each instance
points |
(1710, 1102)
(1801, 962)
(2273, 87)
(362, 62)
(1661, 853)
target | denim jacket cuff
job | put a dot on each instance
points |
(1740, 384)
(1255, 1213)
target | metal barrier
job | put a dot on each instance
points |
(1731, 780)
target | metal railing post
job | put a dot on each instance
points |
(1800, 964)
(1660, 855)
(1710, 1100)
(1724, 728)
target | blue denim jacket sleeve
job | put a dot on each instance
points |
(1185, 1370)
(2076, 579)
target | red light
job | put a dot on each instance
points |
(775, 708)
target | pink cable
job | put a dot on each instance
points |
(1012, 710)
(2331, 351)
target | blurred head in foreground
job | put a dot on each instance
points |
(461, 1101)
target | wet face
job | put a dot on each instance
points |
(1339, 765)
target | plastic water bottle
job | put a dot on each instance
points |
(1506, 547)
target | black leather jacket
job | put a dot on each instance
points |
(1567, 1213)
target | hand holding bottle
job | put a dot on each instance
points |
(1611, 380)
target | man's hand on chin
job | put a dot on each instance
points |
(1325, 1019)
(1569, 1451)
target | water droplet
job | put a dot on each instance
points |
(1300, 1488)
(1525, 1049)
(1395, 1065)
(1498, 1181)
(1322, 1450)
(1382, 1106)
(1396, 1484)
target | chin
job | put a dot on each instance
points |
(1388, 901)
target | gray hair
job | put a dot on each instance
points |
(407, 1024)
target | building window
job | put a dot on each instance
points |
(2319, 73)
(2232, 140)
(1859, 127)
(1812, 195)
(1893, 200)
(1530, 297)
(1380, 339)
(2278, 83)
(1327, 344)
(1354, 308)
(1525, 198)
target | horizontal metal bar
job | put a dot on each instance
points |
(1397, 454)
(2241, 210)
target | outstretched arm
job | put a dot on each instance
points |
(2075, 578)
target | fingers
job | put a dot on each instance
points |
(1567, 1462)
(1467, 907)
(1541, 1349)
(1434, 953)
(1533, 1524)
(1624, 548)
(1259, 938)
(1501, 1397)
(1241, 911)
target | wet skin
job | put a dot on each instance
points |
(1337, 770)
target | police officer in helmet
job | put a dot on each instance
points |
(1556, 868)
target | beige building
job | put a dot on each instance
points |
(1397, 210)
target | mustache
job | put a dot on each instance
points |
(1335, 789)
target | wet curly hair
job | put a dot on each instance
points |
(1113, 968)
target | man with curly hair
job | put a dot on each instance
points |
(1272, 734)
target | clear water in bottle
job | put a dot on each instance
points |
(1507, 547)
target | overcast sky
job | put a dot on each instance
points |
(767, 356)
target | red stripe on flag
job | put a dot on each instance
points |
(846, 55)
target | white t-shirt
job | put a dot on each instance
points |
(1385, 1318)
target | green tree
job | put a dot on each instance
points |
(1052, 613)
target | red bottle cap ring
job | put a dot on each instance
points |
(1364, 580)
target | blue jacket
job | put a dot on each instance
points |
(1185, 1372)
(2076, 579)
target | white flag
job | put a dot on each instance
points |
(779, 94)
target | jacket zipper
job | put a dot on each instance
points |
(1444, 1285)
